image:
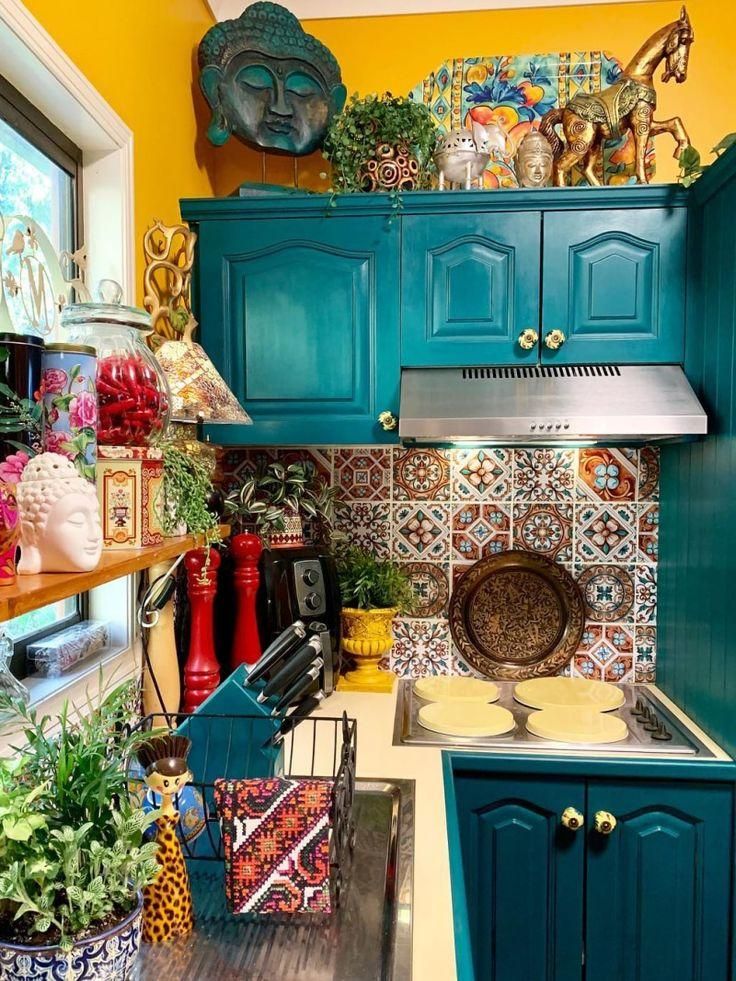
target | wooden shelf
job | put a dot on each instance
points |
(32, 592)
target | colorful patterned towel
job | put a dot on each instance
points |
(276, 836)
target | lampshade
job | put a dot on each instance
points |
(198, 392)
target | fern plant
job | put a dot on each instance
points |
(72, 850)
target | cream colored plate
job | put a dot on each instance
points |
(465, 719)
(456, 690)
(543, 693)
(577, 725)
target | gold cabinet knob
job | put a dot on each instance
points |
(528, 339)
(572, 819)
(604, 822)
(554, 339)
(388, 421)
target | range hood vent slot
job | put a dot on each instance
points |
(543, 371)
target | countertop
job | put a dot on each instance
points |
(433, 937)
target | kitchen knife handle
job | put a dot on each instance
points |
(295, 665)
(286, 641)
(300, 686)
(299, 714)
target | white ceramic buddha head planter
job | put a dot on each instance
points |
(60, 518)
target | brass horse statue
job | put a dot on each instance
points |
(629, 104)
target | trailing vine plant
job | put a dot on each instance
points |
(186, 488)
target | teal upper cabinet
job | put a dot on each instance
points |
(657, 884)
(614, 286)
(469, 287)
(301, 317)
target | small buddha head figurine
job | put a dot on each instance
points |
(166, 772)
(59, 517)
(268, 81)
(534, 160)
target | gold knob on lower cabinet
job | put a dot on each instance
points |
(554, 339)
(604, 822)
(572, 819)
(388, 421)
(528, 339)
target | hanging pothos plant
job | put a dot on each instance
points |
(366, 124)
(691, 166)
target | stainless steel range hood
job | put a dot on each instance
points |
(586, 405)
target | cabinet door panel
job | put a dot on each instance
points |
(614, 283)
(523, 877)
(301, 318)
(470, 285)
(658, 886)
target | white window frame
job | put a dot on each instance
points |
(34, 63)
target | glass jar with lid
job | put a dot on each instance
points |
(132, 391)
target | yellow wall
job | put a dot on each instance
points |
(141, 57)
(394, 53)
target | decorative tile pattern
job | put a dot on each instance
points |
(608, 592)
(607, 475)
(606, 653)
(421, 475)
(544, 475)
(646, 654)
(606, 533)
(421, 647)
(363, 474)
(545, 529)
(367, 525)
(431, 584)
(439, 512)
(481, 475)
(649, 533)
(649, 473)
(646, 594)
(421, 531)
(479, 530)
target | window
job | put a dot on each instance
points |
(39, 170)
(39, 177)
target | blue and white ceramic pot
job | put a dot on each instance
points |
(109, 956)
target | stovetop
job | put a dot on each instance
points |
(640, 741)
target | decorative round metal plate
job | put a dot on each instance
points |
(517, 615)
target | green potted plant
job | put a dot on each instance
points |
(373, 592)
(72, 856)
(381, 143)
(188, 491)
(275, 498)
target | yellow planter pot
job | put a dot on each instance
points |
(366, 638)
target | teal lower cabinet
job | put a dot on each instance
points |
(639, 891)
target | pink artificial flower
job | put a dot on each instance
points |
(55, 442)
(54, 380)
(53, 416)
(12, 467)
(83, 410)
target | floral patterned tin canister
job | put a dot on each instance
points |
(70, 404)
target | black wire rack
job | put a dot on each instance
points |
(235, 747)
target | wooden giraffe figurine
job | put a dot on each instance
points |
(167, 902)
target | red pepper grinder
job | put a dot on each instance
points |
(246, 550)
(202, 670)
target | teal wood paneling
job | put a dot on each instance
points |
(522, 874)
(614, 283)
(658, 887)
(696, 637)
(469, 286)
(292, 314)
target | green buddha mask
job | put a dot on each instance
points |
(268, 81)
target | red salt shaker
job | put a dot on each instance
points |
(202, 670)
(246, 550)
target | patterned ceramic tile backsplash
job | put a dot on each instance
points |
(436, 512)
